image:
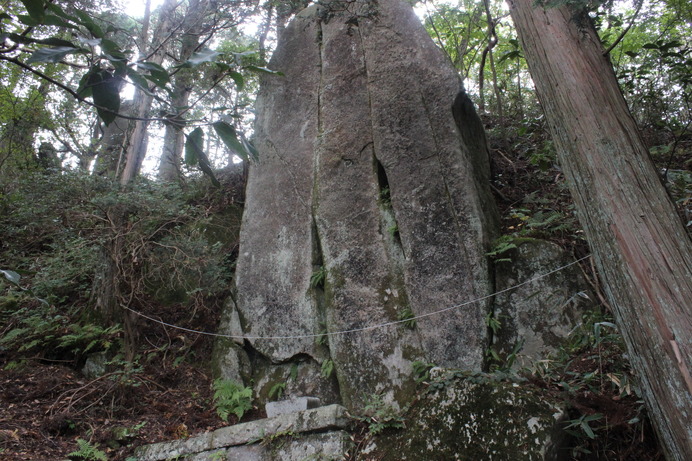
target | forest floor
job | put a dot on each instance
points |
(49, 409)
(46, 407)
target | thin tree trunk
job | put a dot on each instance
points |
(174, 139)
(137, 147)
(639, 244)
(496, 88)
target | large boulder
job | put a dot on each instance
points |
(537, 309)
(476, 416)
(370, 204)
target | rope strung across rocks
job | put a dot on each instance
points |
(367, 328)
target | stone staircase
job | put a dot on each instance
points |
(296, 433)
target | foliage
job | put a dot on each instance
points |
(421, 370)
(277, 391)
(327, 368)
(231, 397)
(407, 318)
(67, 233)
(88, 452)
(593, 374)
(379, 415)
(318, 277)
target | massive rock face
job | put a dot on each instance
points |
(366, 178)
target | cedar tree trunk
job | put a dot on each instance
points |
(640, 246)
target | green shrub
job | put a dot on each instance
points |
(231, 397)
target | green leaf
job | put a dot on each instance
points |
(112, 51)
(193, 146)
(194, 154)
(139, 81)
(514, 54)
(105, 91)
(28, 20)
(55, 54)
(55, 9)
(229, 137)
(157, 74)
(205, 55)
(11, 276)
(238, 79)
(89, 23)
(53, 20)
(54, 41)
(35, 8)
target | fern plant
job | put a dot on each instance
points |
(327, 368)
(318, 278)
(407, 318)
(87, 452)
(231, 397)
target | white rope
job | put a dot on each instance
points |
(368, 328)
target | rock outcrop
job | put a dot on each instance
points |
(536, 318)
(370, 204)
(476, 416)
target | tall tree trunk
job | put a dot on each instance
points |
(137, 147)
(638, 241)
(174, 139)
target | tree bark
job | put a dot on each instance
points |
(174, 138)
(639, 244)
(137, 147)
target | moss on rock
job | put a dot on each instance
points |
(474, 416)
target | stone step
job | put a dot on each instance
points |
(290, 436)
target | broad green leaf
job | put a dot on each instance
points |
(11, 276)
(511, 55)
(112, 50)
(53, 20)
(139, 81)
(238, 79)
(5, 16)
(230, 138)
(84, 88)
(205, 55)
(55, 54)
(193, 146)
(28, 20)
(206, 168)
(157, 74)
(250, 148)
(35, 8)
(89, 23)
(105, 91)
(236, 76)
(54, 41)
(194, 154)
(55, 9)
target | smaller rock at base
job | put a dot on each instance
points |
(291, 405)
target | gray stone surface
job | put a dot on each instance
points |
(476, 417)
(363, 171)
(291, 405)
(540, 314)
(228, 439)
(289, 447)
